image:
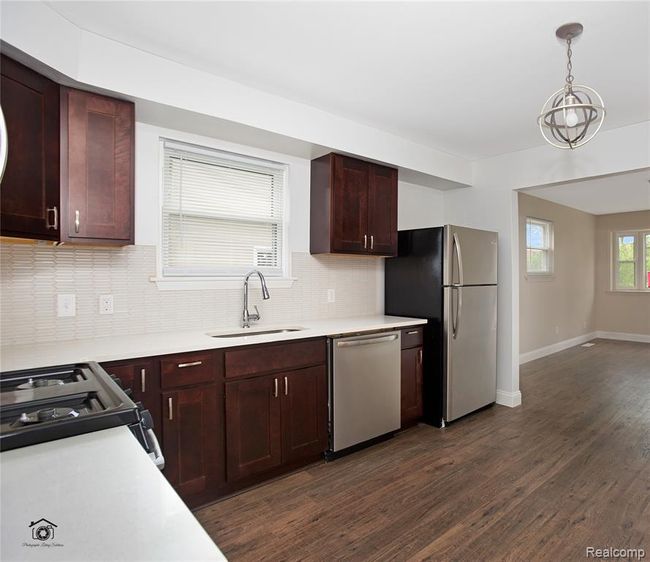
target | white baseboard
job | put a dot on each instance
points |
(510, 399)
(623, 336)
(554, 348)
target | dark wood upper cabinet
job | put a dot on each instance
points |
(382, 210)
(192, 439)
(353, 207)
(70, 165)
(29, 194)
(304, 413)
(253, 426)
(97, 168)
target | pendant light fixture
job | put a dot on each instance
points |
(573, 115)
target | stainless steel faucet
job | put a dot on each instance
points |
(247, 316)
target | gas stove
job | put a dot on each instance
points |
(38, 405)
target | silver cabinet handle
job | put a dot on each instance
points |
(76, 221)
(275, 388)
(286, 386)
(191, 364)
(372, 242)
(52, 225)
(412, 332)
(354, 343)
(4, 144)
(170, 406)
(365, 241)
(420, 356)
(143, 380)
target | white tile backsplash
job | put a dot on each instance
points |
(33, 274)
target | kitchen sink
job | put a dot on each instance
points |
(253, 332)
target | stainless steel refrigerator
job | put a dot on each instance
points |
(448, 275)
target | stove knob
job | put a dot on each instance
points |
(147, 420)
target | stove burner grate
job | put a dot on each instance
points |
(39, 383)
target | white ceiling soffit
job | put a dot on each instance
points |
(620, 193)
(468, 78)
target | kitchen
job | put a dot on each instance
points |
(259, 306)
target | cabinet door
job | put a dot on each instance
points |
(30, 185)
(143, 379)
(253, 426)
(382, 211)
(97, 167)
(350, 205)
(192, 442)
(411, 385)
(304, 413)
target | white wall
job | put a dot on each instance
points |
(419, 206)
(38, 31)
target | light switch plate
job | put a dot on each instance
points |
(106, 304)
(66, 305)
(331, 295)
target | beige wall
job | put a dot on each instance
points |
(561, 306)
(616, 311)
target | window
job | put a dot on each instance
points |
(631, 266)
(539, 247)
(222, 215)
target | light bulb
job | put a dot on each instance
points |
(571, 118)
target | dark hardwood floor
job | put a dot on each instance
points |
(568, 469)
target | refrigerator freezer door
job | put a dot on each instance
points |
(470, 256)
(470, 349)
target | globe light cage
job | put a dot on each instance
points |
(570, 119)
(573, 115)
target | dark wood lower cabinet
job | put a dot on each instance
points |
(304, 413)
(143, 378)
(275, 419)
(193, 440)
(411, 394)
(269, 417)
(253, 426)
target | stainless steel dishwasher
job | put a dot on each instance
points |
(364, 388)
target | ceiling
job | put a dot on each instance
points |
(468, 78)
(620, 193)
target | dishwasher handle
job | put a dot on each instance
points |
(370, 341)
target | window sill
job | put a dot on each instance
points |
(539, 276)
(201, 283)
(629, 291)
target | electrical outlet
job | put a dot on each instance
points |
(66, 305)
(557, 329)
(106, 304)
(331, 295)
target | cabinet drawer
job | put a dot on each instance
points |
(263, 359)
(412, 337)
(190, 368)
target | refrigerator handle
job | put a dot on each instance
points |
(459, 310)
(459, 259)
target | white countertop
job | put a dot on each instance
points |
(131, 346)
(106, 497)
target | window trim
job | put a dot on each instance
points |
(551, 248)
(639, 260)
(196, 282)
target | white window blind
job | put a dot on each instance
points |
(223, 214)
